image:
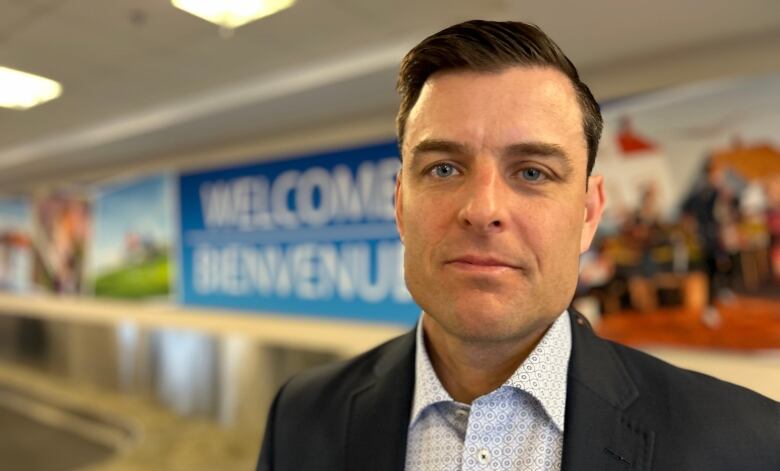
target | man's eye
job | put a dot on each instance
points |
(443, 170)
(532, 174)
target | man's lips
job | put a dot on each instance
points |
(480, 263)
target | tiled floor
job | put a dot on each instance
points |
(30, 445)
(165, 442)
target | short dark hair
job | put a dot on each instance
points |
(492, 46)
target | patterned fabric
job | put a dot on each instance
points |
(518, 426)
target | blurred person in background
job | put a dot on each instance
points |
(712, 205)
(773, 225)
(646, 235)
(495, 202)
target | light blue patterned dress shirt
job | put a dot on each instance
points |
(518, 426)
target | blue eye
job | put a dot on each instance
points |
(532, 174)
(443, 170)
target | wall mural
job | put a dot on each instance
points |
(691, 235)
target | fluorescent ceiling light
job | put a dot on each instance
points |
(232, 13)
(20, 90)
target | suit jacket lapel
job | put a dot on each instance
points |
(598, 434)
(380, 411)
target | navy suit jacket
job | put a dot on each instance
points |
(625, 410)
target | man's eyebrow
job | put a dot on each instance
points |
(538, 149)
(541, 149)
(440, 145)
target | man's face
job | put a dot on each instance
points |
(491, 200)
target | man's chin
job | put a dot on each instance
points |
(486, 325)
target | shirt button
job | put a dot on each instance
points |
(483, 456)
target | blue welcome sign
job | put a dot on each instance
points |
(313, 235)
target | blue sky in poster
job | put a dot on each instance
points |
(142, 207)
(14, 215)
(311, 236)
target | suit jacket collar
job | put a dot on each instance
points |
(600, 434)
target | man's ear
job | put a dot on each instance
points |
(399, 221)
(594, 207)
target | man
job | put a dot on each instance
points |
(494, 204)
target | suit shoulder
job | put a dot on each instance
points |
(314, 408)
(699, 398)
(732, 425)
(336, 381)
(645, 367)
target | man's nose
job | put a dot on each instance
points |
(484, 200)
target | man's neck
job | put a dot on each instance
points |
(469, 369)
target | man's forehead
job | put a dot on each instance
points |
(518, 93)
(516, 103)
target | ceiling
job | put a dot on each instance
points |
(142, 78)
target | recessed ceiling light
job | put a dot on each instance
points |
(232, 13)
(20, 90)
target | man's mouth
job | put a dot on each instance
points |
(481, 264)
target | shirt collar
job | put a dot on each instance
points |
(542, 375)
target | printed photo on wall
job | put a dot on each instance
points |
(130, 250)
(60, 234)
(16, 252)
(689, 251)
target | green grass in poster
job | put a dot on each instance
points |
(149, 278)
